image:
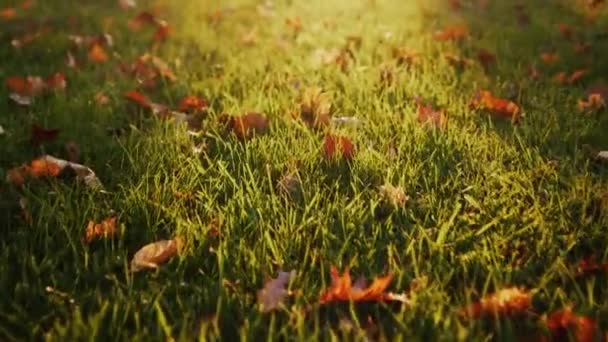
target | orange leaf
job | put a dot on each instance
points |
(162, 32)
(484, 100)
(56, 81)
(8, 13)
(562, 322)
(455, 32)
(577, 75)
(427, 114)
(565, 30)
(590, 265)
(98, 54)
(249, 125)
(192, 104)
(342, 289)
(154, 254)
(106, 229)
(549, 58)
(19, 85)
(43, 168)
(594, 102)
(338, 146)
(143, 18)
(506, 302)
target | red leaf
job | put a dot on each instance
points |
(563, 322)
(162, 32)
(484, 100)
(40, 135)
(506, 302)
(249, 125)
(342, 289)
(56, 81)
(19, 85)
(142, 19)
(192, 104)
(590, 265)
(338, 146)
(549, 58)
(138, 98)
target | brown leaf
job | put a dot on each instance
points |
(106, 229)
(589, 265)
(156, 253)
(335, 146)
(162, 32)
(549, 58)
(564, 325)
(8, 13)
(272, 295)
(315, 108)
(457, 61)
(511, 301)
(192, 104)
(49, 166)
(565, 30)
(405, 56)
(342, 289)
(484, 100)
(40, 134)
(593, 103)
(486, 58)
(455, 32)
(249, 125)
(393, 195)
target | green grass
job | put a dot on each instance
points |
(491, 205)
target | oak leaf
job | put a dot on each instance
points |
(342, 289)
(484, 100)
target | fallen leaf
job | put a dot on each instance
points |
(162, 32)
(127, 4)
(565, 325)
(342, 289)
(251, 37)
(97, 54)
(56, 81)
(249, 125)
(405, 56)
(138, 98)
(427, 114)
(590, 265)
(600, 88)
(101, 99)
(26, 4)
(141, 20)
(577, 75)
(272, 295)
(455, 32)
(192, 104)
(335, 146)
(486, 58)
(20, 99)
(594, 102)
(484, 100)
(315, 108)
(457, 61)
(393, 195)
(8, 13)
(565, 30)
(156, 253)
(106, 229)
(290, 186)
(582, 47)
(511, 301)
(40, 134)
(49, 166)
(549, 58)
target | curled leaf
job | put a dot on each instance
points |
(249, 125)
(335, 146)
(49, 166)
(106, 229)
(505, 302)
(156, 253)
(342, 289)
(272, 295)
(484, 100)
(565, 325)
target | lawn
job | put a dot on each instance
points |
(381, 154)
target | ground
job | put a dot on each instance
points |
(488, 204)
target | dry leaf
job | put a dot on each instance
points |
(335, 146)
(154, 254)
(49, 166)
(455, 32)
(192, 104)
(106, 229)
(405, 56)
(40, 134)
(427, 114)
(486, 58)
(590, 265)
(394, 195)
(549, 58)
(315, 108)
(484, 100)
(162, 32)
(101, 99)
(506, 302)
(342, 289)
(565, 30)
(127, 4)
(249, 125)
(565, 325)
(458, 62)
(97, 54)
(8, 13)
(272, 295)
(594, 102)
